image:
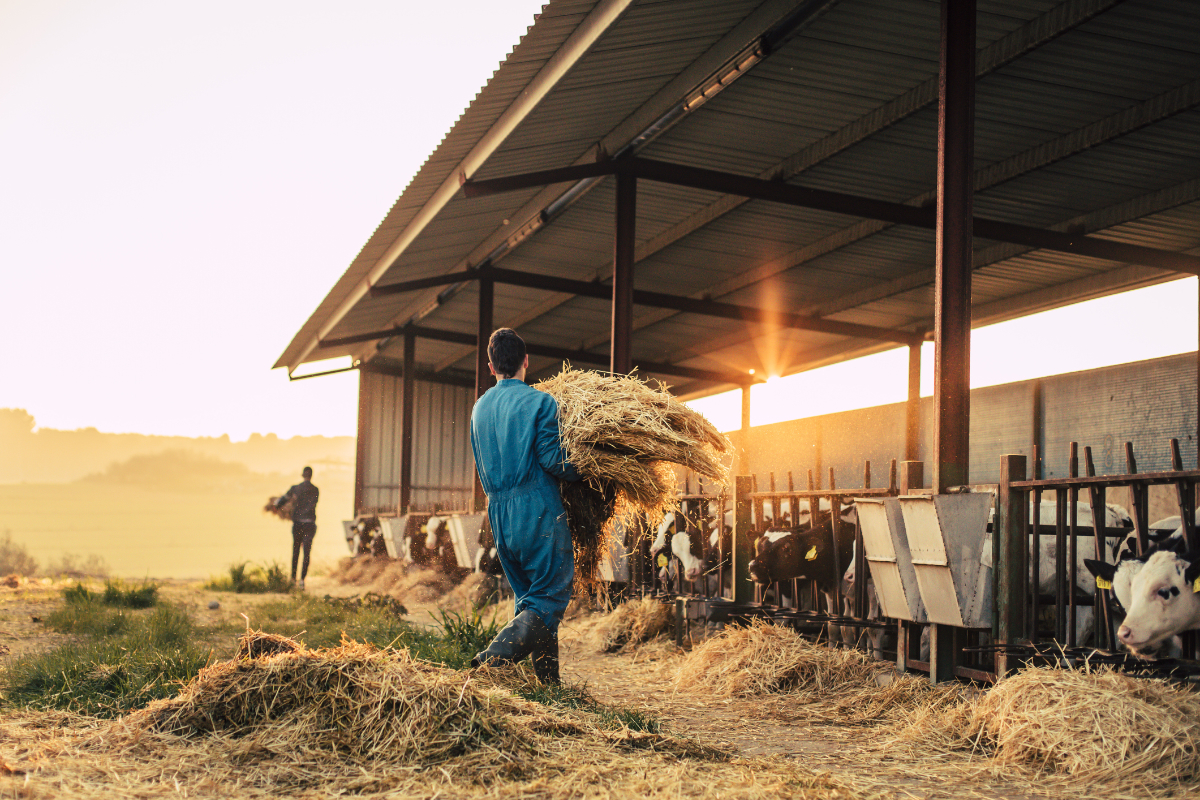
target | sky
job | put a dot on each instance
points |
(182, 183)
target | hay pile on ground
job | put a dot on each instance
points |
(358, 721)
(623, 436)
(1093, 727)
(634, 622)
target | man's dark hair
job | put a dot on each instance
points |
(306, 473)
(506, 351)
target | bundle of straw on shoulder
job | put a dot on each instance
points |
(624, 437)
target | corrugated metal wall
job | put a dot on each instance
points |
(443, 469)
(1146, 403)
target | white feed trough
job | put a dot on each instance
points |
(885, 542)
(947, 537)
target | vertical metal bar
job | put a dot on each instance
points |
(621, 354)
(892, 487)
(952, 298)
(1073, 549)
(1009, 557)
(757, 505)
(1060, 548)
(743, 585)
(1035, 552)
(407, 415)
(1139, 494)
(483, 378)
(1185, 496)
(1103, 607)
(912, 409)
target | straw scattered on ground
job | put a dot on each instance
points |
(360, 721)
(624, 436)
(1102, 727)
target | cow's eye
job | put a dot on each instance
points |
(1166, 594)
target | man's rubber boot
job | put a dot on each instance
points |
(545, 659)
(517, 640)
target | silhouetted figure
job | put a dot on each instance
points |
(304, 520)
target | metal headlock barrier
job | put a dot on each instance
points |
(963, 574)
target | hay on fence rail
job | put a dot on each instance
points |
(634, 622)
(623, 436)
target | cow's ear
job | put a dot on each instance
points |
(1192, 573)
(1104, 572)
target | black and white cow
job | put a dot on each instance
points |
(686, 549)
(807, 552)
(1157, 593)
(486, 559)
(432, 548)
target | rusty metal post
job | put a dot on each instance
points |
(621, 353)
(912, 409)
(743, 585)
(406, 421)
(483, 378)
(1073, 547)
(952, 298)
(1009, 548)
(1103, 607)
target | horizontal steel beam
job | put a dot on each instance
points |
(852, 205)
(422, 283)
(603, 291)
(566, 354)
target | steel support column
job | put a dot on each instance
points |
(483, 378)
(912, 410)
(952, 300)
(360, 447)
(408, 381)
(621, 355)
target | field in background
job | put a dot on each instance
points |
(162, 532)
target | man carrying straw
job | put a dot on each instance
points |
(519, 456)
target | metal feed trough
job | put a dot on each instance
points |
(946, 537)
(885, 541)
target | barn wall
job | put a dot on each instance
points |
(1146, 403)
(443, 468)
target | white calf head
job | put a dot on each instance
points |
(1160, 598)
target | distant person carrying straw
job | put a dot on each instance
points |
(518, 454)
(303, 497)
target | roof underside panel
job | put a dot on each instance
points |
(1087, 114)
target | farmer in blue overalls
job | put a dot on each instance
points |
(514, 435)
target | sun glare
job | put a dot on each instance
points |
(1021, 349)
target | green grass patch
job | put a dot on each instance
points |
(124, 660)
(117, 594)
(378, 621)
(245, 578)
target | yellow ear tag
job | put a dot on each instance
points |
(1103, 584)
(811, 554)
(424, 529)
(662, 560)
(1196, 586)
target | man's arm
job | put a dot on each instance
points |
(283, 498)
(549, 446)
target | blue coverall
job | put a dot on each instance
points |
(514, 435)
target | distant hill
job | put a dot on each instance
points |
(48, 455)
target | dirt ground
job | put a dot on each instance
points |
(775, 726)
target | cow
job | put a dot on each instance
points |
(806, 552)
(486, 559)
(687, 548)
(432, 547)
(1158, 592)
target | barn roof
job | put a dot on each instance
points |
(1086, 125)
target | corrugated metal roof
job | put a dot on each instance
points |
(1086, 119)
